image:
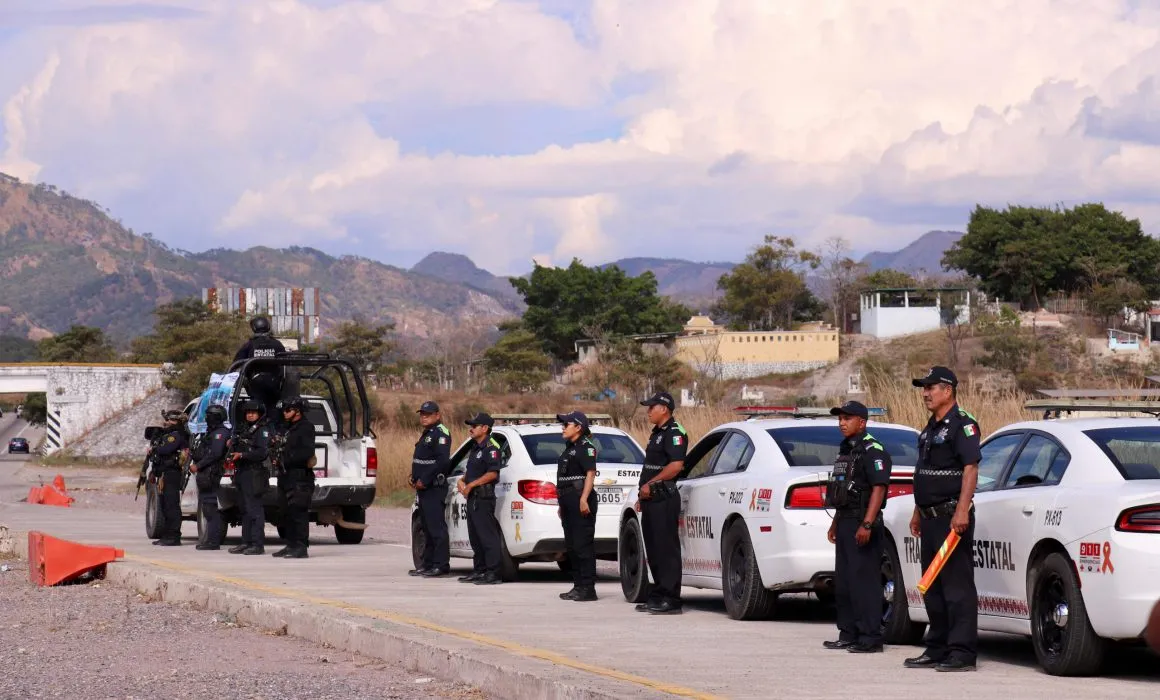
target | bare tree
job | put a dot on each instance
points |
(840, 275)
(704, 354)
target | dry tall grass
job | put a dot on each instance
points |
(992, 408)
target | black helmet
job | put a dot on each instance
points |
(252, 405)
(260, 324)
(215, 415)
(295, 402)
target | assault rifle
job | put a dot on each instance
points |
(152, 433)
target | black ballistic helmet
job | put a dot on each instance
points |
(297, 403)
(260, 324)
(252, 405)
(215, 415)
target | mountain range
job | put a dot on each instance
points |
(65, 261)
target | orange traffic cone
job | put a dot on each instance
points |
(33, 495)
(52, 561)
(51, 496)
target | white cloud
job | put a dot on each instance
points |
(263, 121)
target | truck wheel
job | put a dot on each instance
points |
(897, 627)
(509, 569)
(153, 524)
(418, 541)
(633, 566)
(351, 514)
(1061, 632)
(746, 597)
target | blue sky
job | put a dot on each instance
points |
(513, 130)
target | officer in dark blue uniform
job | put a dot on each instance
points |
(209, 470)
(167, 456)
(296, 478)
(478, 486)
(250, 447)
(429, 468)
(857, 492)
(575, 474)
(261, 344)
(944, 487)
(660, 505)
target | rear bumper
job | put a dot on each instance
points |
(324, 496)
(605, 547)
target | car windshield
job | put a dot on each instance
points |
(1134, 450)
(611, 448)
(817, 445)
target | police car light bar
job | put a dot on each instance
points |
(543, 418)
(752, 412)
(1058, 406)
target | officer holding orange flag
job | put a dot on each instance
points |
(944, 487)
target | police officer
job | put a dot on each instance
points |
(575, 474)
(478, 487)
(209, 470)
(660, 505)
(296, 478)
(250, 447)
(167, 457)
(944, 486)
(430, 465)
(857, 492)
(261, 344)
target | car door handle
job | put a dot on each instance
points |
(721, 492)
(1028, 509)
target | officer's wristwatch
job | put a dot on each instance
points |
(867, 525)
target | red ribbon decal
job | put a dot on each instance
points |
(1107, 565)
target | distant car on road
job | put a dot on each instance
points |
(18, 444)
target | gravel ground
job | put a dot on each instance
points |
(100, 641)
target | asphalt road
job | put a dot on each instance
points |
(10, 427)
(700, 652)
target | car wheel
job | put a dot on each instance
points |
(1061, 632)
(746, 597)
(203, 527)
(346, 535)
(509, 569)
(633, 565)
(897, 627)
(153, 521)
(418, 541)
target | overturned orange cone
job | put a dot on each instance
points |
(52, 561)
(33, 495)
(52, 495)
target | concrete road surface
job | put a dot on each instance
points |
(522, 630)
(10, 427)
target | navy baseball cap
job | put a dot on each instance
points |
(428, 407)
(481, 419)
(937, 375)
(574, 417)
(660, 398)
(851, 408)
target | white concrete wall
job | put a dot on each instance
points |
(890, 322)
(80, 398)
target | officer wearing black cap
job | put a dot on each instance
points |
(660, 505)
(944, 486)
(478, 487)
(249, 448)
(430, 465)
(856, 491)
(575, 475)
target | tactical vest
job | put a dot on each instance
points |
(846, 487)
(264, 346)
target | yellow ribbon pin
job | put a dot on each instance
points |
(518, 532)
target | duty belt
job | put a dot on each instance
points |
(940, 509)
(569, 482)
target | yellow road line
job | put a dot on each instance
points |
(513, 647)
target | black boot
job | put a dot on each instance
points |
(570, 595)
(586, 594)
(281, 552)
(239, 549)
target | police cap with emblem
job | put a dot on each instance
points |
(659, 399)
(574, 417)
(480, 419)
(851, 408)
(428, 407)
(937, 375)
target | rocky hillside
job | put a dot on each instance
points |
(66, 261)
(924, 254)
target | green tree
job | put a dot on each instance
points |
(367, 346)
(563, 301)
(36, 409)
(1025, 253)
(1109, 299)
(768, 291)
(1007, 347)
(16, 349)
(517, 361)
(195, 339)
(886, 278)
(77, 344)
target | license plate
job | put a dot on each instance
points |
(609, 496)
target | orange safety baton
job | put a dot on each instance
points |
(940, 559)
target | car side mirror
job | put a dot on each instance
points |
(152, 432)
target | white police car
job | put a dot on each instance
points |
(1067, 538)
(526, 504)
(752, 520)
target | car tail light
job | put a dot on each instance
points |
(903, 489)
(542, 492)
(1140, 519)
(228, 468)
(372, 462)
(806, 496)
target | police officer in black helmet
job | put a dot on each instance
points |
(296, 478)
(261, 344)
(208, 471)
(575, 474)
(249, 449)
(660, 505)
(856, 491)
(944, 488)
(167, 457)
